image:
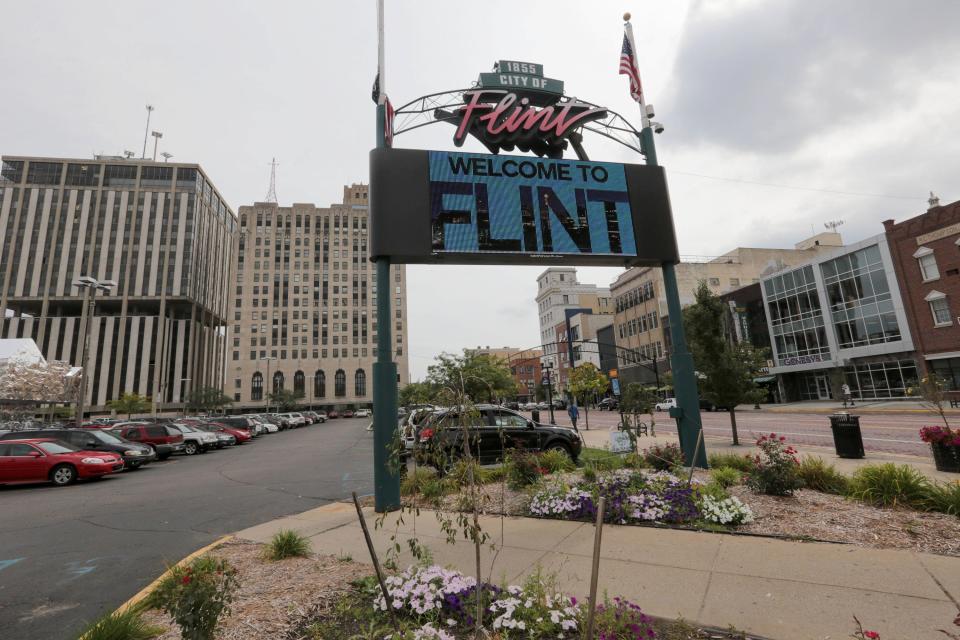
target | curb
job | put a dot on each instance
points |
(143, 593)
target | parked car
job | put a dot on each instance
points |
(322, 415)
(348, 413)
(51, 460)
(265, 423)
(295, 419)
(164, 440)
(224, 439)
(134, 455)
(332, 414)
(362, 413)
(240, 435)
(666, 405)
(608, 404)
(492, 431)
(195, 440)
(252, 424)
(706, 405)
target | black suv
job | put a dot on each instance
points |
(134, 454)
(493, 430)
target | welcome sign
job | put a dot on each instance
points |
(470, 208)
(516, 204)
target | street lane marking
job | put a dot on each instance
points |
(9, 563)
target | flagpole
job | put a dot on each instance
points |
(386, 476)
(687, 411)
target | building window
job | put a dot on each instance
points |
(256, 387)
(299, 386)
(878, 380)
(278, 382)
(860, 302)
(928, 264)
(714, 282)
(940, 309)
(360, 383)
(319, 384)
(796, 318)
(340, 383)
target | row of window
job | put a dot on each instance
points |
(642, 324)
(302, 354)
(319, 384)
(635, 296)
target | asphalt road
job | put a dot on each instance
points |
(69, 554)
(890, 433)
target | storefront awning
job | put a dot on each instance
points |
(765, 378)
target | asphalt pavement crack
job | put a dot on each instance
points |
(129, 529)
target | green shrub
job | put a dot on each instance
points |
(590, 473)
(635, 461)
(287, 544)
(125, 625)
(818, 475)
(944, 498)
(413, 482)
(714, 490)
(522, 469)
(725, 476)
(890, 485)
(556, 461)
(460, 473)
(433, 489)
(197, 595)
(663, 457)
(774, 469)
(492, 474)
(731, 460)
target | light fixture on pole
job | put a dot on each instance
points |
(549, 368)
(269, 380)
(183, 395)
(145, 131)
(92, 286)
(128, 154)
(156, 138)
(166, 156)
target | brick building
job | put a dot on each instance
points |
(926, 256)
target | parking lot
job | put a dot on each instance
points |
(69, 553)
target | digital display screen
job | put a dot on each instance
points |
(503, 204)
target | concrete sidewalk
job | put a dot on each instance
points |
(600, 438)
(783, 590)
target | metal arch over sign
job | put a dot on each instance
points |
(468, 208)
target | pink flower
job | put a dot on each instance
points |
(185, 580)
(872, 635)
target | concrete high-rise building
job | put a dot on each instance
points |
(304, 313)
(560, 296)
(161, 231)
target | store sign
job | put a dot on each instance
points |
(437, 206)
(797, 360)
(944, 232)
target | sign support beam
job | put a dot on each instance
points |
(687, 411)
(386, 472)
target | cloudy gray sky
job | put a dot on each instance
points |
(858, 96)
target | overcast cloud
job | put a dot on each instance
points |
(852, 96)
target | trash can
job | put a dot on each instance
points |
(535, 415)
(847, 438)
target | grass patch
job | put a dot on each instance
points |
(820, 476)
(413, 481)
(944, 498)
(556, 461)
(890, 485)
(126, 625)
(725, 476)
(287, 544)
(600, 459)
(731, 460)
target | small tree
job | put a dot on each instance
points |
(482, 377)
(933, 390)
(726, 370)
(207, 399)
(130, 403)
(639, 399)
(285, 400)
(585, 382)
(417, 393)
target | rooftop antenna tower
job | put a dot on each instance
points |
(146, 131)
(272, 193)
(832, 225)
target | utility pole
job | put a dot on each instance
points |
(156, 138)
(146, 131)
(386, 477)
(549, 369)
(687, 411)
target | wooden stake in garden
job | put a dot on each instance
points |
(595, 569)
(376, 564)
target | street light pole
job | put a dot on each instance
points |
(269, 380)
(549, 368)
(92, 285)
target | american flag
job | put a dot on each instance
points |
(628, 67)
(388, 124)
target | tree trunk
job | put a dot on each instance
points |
(733, 424)
(586, 416)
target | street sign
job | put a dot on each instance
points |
(469, 208)
(620, 442)
(517, 81)
(616, 386)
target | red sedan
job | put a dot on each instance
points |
(242, 435)
(50, 460)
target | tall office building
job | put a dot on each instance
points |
(161, 231)
(304, 315)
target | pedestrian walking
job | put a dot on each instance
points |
(574, 413)
(845, 389)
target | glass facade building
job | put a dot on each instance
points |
(840, 320)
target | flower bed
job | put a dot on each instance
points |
(945, 444)
(634, 496)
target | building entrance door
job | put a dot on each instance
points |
(823, 387)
